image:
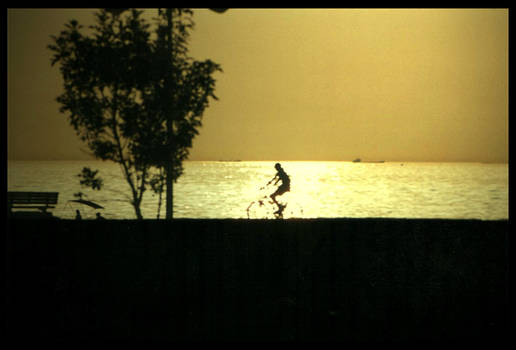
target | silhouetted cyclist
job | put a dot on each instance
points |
(284, 187)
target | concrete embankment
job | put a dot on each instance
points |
(332, 279)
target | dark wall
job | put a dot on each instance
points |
(340, 279)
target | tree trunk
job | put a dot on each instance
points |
(138, 212)
(168, 167)
(169, 183)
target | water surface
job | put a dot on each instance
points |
(318, 189)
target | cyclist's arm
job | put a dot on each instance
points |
(268, 183)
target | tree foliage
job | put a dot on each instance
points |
(88, 178)
(121, 85)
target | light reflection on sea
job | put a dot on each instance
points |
(318, 189)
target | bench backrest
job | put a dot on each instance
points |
(34, 198)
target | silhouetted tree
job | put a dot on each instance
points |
(132, 97)
(89, 178)
(182, 88)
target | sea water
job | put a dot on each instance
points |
(318, 189)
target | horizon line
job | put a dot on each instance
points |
(284, 160)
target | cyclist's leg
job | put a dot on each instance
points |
(282, 189)
(273, 196)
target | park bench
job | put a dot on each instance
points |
(32, 200)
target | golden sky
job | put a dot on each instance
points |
(305, 84)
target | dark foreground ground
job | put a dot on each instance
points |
(336, 279)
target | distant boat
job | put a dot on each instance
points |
(358, 160)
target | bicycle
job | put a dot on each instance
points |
(264, 207)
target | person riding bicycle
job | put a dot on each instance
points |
(284, 187)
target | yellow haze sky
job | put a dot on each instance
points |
(304, 84)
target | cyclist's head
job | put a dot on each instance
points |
(277, 166)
